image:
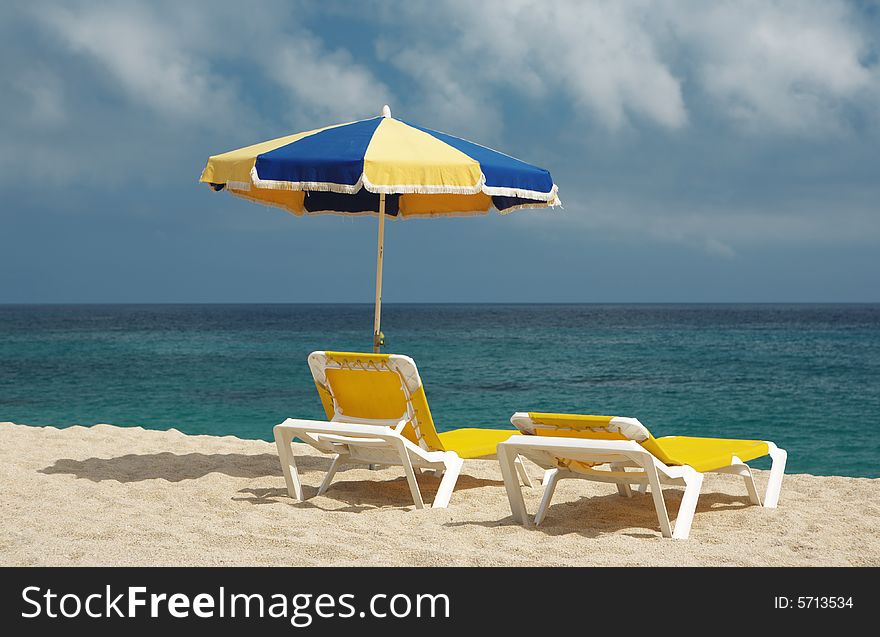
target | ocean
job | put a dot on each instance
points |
(804, 376)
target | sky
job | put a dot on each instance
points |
(704, 152)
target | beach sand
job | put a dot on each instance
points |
(108, 495)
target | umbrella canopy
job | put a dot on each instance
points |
(380, 166)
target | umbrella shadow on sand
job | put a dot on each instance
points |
(363, 495)
(177, 467)
(596, 516)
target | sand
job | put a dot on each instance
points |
(108, 495)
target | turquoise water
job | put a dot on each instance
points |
(805, 376)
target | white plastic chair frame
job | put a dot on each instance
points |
(360, 441)
(620, 455)
(370, 444)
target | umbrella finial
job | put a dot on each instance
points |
(386, 111)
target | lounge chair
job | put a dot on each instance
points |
(574, 446)
(377, 414)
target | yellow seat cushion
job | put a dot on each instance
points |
(474, 443)
(704, 454)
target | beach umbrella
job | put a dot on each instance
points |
(380, 166)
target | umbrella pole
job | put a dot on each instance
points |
(378, 337)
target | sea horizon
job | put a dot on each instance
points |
(387, 303)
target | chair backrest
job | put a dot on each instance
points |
(590, 427)
(581, 426)
(378, 389)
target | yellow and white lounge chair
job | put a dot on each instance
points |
(378, 415)
(574, 446)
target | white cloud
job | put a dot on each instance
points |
(92, 81)
(171, 58)
(706, 71)
(598, 56)
(146, 58)
(605, 57)
(329, 84)
(777, 66)
(790, 66)
(751, 74)
(444, 102)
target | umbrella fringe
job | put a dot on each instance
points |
(417, 189)
(402, 189)
(318, 186)
(499, 191)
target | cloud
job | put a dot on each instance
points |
(792, 67)
(329, 84)
(605, 57)
(719, 231)
(45, 98)
(599, 57)
(146, 57)
(782, 66)
(717, 248)
(167, 79)
(442, 98)
(171, 58)
(648, 113)
(707, 125)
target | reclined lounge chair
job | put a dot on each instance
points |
(574, 446)
(377, 414)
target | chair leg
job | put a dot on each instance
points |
(548, 473)
(334, 466)
(413, 483)
(739, 468)
(749, 479)
(642, 488)
(288, 464)
(659, 503)
(511, 484)
(693, 482)
(549, 488)
(447, 484)
(777, 470)
(623, 488)
(523, 474)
